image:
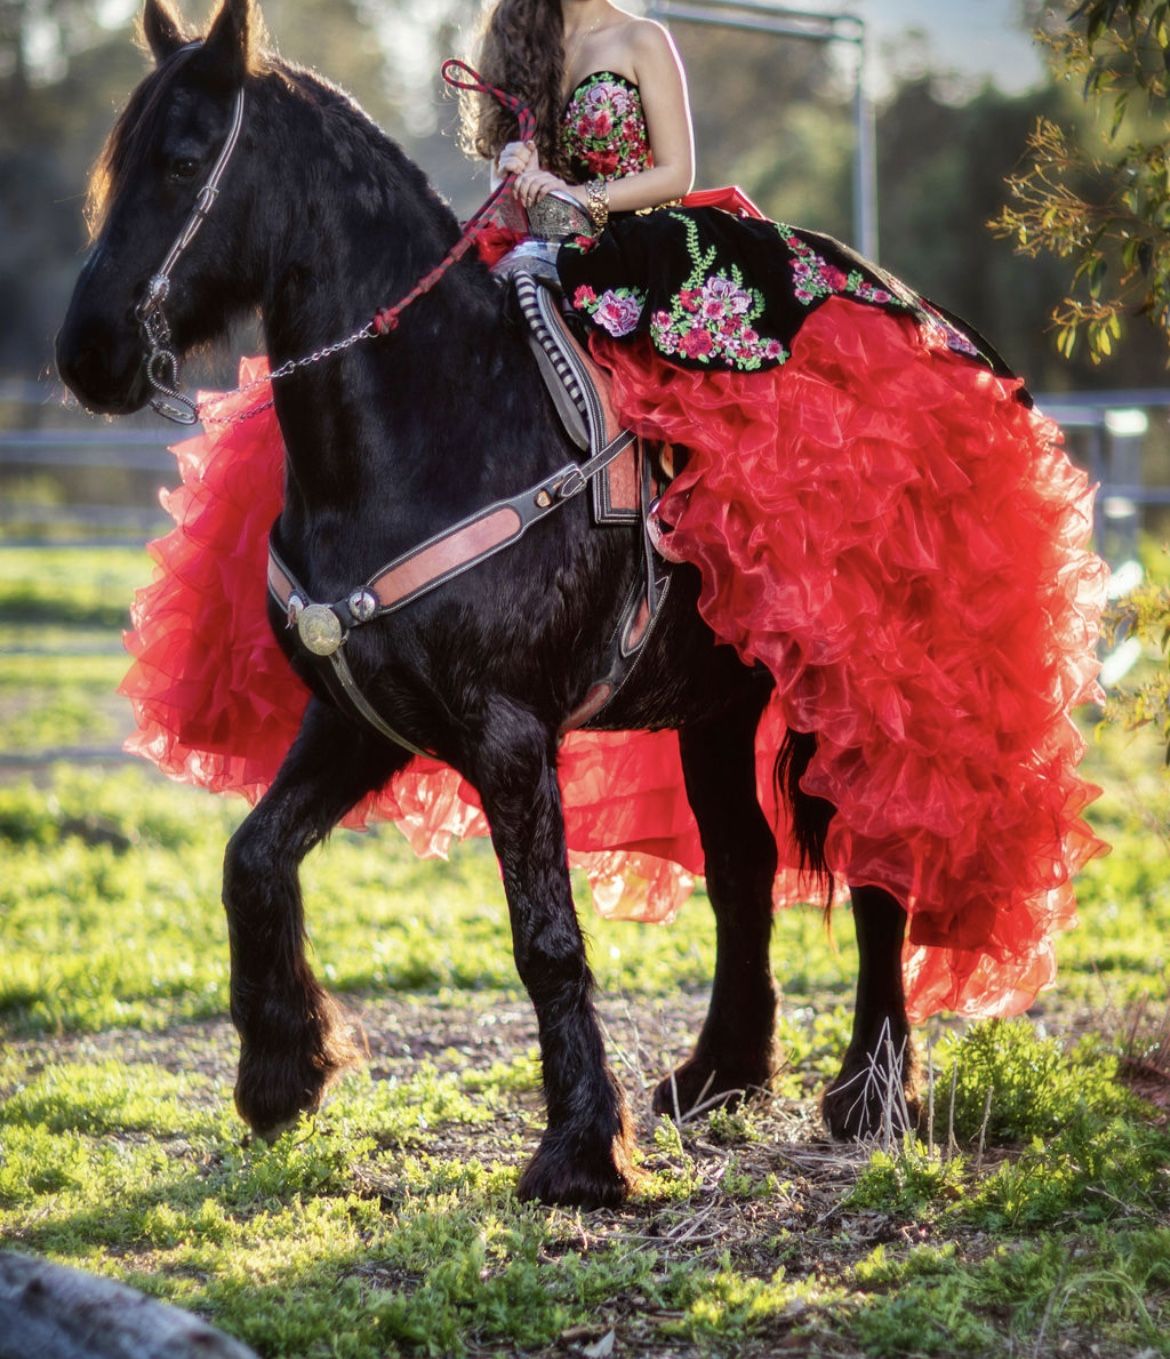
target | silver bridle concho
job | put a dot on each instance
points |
(162, 364)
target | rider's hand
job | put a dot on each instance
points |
(533, 185)
(516, 157)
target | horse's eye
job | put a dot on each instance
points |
(183, 168)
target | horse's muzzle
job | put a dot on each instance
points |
(103, 371)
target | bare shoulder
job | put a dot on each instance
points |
(649, 41)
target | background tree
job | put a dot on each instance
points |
(1101, 199)
(1104, 206)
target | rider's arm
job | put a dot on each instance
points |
(662, 84)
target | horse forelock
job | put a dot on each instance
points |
(132, 133)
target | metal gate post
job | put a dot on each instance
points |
(761, 16)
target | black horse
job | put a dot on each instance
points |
(320, 219)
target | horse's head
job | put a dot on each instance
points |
(145, 188)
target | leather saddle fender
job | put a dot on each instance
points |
(623, 491)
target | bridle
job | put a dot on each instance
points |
(162, 363)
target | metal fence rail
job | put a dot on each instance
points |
(43, 441)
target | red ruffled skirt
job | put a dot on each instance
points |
(878, 520)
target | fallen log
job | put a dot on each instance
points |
(50, 1312)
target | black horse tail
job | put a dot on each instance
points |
(810, 814)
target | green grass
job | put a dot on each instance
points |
(64, 587)
(389, 1224)
(111, 915)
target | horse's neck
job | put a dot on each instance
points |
(412, 423)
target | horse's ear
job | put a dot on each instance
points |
(233, 34)
(163, 30)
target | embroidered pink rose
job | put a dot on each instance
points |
(618, 314)
(727, 294)
(872, 294)
(834, 277)
(584, 295)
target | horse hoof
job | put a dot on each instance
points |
(868, 1100)
(275, 1087)
(277, 1130)
(274, 1094)
(601, 1180)
(700, 1085)
(267, 1120)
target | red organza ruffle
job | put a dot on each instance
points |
(904, 545)
(879, 522)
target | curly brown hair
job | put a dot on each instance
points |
(521, 49)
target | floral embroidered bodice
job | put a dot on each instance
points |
(710, 288)
(603, 129)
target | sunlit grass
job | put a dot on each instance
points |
(390, 1224)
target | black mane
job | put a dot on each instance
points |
(358, 144)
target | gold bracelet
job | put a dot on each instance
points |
(597, 195)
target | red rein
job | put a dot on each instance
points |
(386, 319)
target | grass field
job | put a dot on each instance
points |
(1032, 1218)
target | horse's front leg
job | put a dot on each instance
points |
(874, 1092)
(583, 1157)
(293, 1039)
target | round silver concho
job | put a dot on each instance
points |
(320, 629)
(362, 605)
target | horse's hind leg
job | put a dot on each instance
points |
(293, 1040)
(874, 1092)
(583, 1157)
(734, 1053)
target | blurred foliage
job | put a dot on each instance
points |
(942, 164)
(1102, 201)
(1143, 614)
(1100, 204)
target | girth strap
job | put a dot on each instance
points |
(581, 392)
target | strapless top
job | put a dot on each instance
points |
(603, 129)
